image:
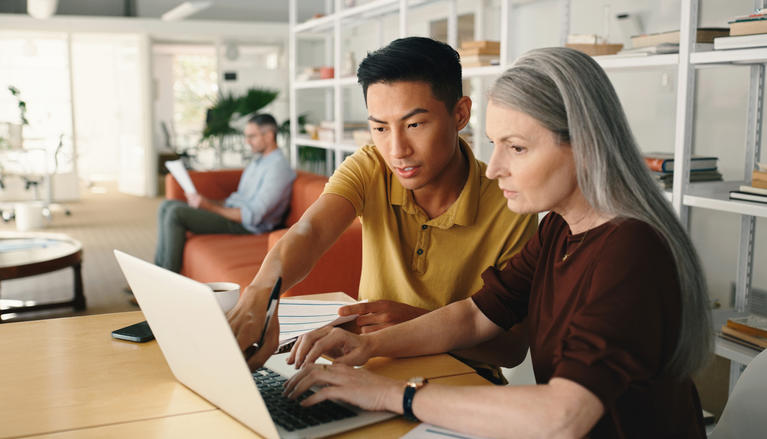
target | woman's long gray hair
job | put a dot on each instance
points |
(569, 93)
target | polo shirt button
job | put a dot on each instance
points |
(420, 251)
(424, 227)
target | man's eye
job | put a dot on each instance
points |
(379, 129)
(517, 149)
(414, 125)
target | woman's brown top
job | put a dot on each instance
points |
(606, 317)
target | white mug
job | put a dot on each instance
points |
(227, 294)
(29, 215)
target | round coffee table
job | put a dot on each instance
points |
(30, 254)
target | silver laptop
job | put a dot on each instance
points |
(202, 353)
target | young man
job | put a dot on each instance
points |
(258, 205)
(432, 221)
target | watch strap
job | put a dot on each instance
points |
(407, 403)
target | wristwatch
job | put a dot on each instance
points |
(412, 385)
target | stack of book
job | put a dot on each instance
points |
(702, 168)
(757, 191)
(592, 44)
(750, 331)
(480, 53)
(668, 42)
(746, 31)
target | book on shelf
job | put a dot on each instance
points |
(758, 13)
(751, 341)
(747, 196)
(480, 60)
(664, 162)
(740, 42)
(478, 51)
(749, 26)
(753, 190)
(759, 179)
(482, 44)
(703, 35)
(663, 48)
(666, 179)
(751, 324)
(585, 39)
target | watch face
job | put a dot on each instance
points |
(417, 382)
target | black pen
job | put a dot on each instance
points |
(273, 299)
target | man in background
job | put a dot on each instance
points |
(258, 205)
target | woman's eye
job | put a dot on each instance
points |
(379, 129)
(517, 149)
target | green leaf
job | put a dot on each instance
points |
(219, 115)
(255, 99)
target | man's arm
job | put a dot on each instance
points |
(292, 258)
(510, 348)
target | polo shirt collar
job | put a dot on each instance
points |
(462, 212)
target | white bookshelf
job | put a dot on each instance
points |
(733, 56)
(715, 195)
(328, 28)
(485, 71)
(616, 62)
(738, 354)
(709, 195)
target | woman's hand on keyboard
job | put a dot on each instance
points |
(340, 382)
(341, 345)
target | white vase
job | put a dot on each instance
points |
(15, 136)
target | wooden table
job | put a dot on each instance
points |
(68, 378)
(30, 254)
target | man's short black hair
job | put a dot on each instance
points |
(415, 59)
(264, 120)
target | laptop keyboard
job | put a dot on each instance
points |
(287, 412)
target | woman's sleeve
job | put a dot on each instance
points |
(627, 325)
(505, 293)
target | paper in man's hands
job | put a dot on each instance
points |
(298, 317)
(176, 167)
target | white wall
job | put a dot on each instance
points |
(162, 75)
(252, 71)
(154, 30)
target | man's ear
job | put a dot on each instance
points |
(462, 112)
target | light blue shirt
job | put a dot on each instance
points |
(263, 194)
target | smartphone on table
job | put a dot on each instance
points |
(139, 332)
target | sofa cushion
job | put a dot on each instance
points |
(224, 257)
(337, 270)
(215, 185)
(237, 258)
(306, 189)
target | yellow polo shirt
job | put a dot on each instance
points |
(427, 263)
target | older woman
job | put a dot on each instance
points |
(611, 285)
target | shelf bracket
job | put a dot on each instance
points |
(684, 108)
(748, 222)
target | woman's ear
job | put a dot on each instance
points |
(462, 112)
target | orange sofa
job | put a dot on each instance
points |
(237, 258)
